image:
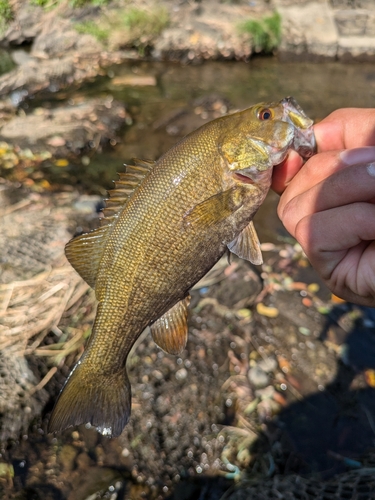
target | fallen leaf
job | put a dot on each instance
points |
(307, 302)
(370, 378)
(336, 299)
(270, 312)
(284, 364)
(279, 399)
(61, 162)
(313, 287)
(304, 331)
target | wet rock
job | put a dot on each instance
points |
(68, 130)
(36, 75)
(258, 377)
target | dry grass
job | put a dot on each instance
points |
(30, 309)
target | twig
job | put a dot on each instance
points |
(44, 380)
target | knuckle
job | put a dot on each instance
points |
(287, 214)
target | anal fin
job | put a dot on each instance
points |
(170, 332)
(247, 245)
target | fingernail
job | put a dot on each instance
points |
(371, 169)
(358, 155)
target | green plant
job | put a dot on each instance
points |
(92, 28)
(81, 3)
(144, 25)
(132, 27)
(265, 33)
(6, 12)
(150, 22)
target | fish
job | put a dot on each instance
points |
(166, 223)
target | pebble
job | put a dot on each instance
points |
(258, 377)
(67, 457)
(181, 374)
(268, 365)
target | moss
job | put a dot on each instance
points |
(265, 33)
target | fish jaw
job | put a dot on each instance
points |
(304, 139)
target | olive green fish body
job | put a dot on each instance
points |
(166, 231)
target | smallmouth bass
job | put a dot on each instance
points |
(165, 225)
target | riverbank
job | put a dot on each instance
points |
(193, 31)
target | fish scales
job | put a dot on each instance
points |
(197, 201)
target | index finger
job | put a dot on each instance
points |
(346, 129)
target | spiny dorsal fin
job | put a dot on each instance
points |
(124, 188)
(85, 251)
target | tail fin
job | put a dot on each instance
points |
(104, 401)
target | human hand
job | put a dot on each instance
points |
(329, 204)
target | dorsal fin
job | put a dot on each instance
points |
(85, 251)
(124, 188)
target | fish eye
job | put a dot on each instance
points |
(265, 114)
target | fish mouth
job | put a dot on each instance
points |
(244, 179)
(304, 142)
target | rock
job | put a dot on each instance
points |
(26, 25)
(356, 49)
(58, 36)
(294, 487)
(210, 32)
(308, 31)
(67, 130)
(322, 30)
(36, 75)
(268, 365)
(258, 377)
(19, 404)
(67, 457)
(351, 22)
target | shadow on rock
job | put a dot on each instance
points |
(325, 431)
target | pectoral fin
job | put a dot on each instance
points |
(170, 332)
(215, 209)
(247, 245)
